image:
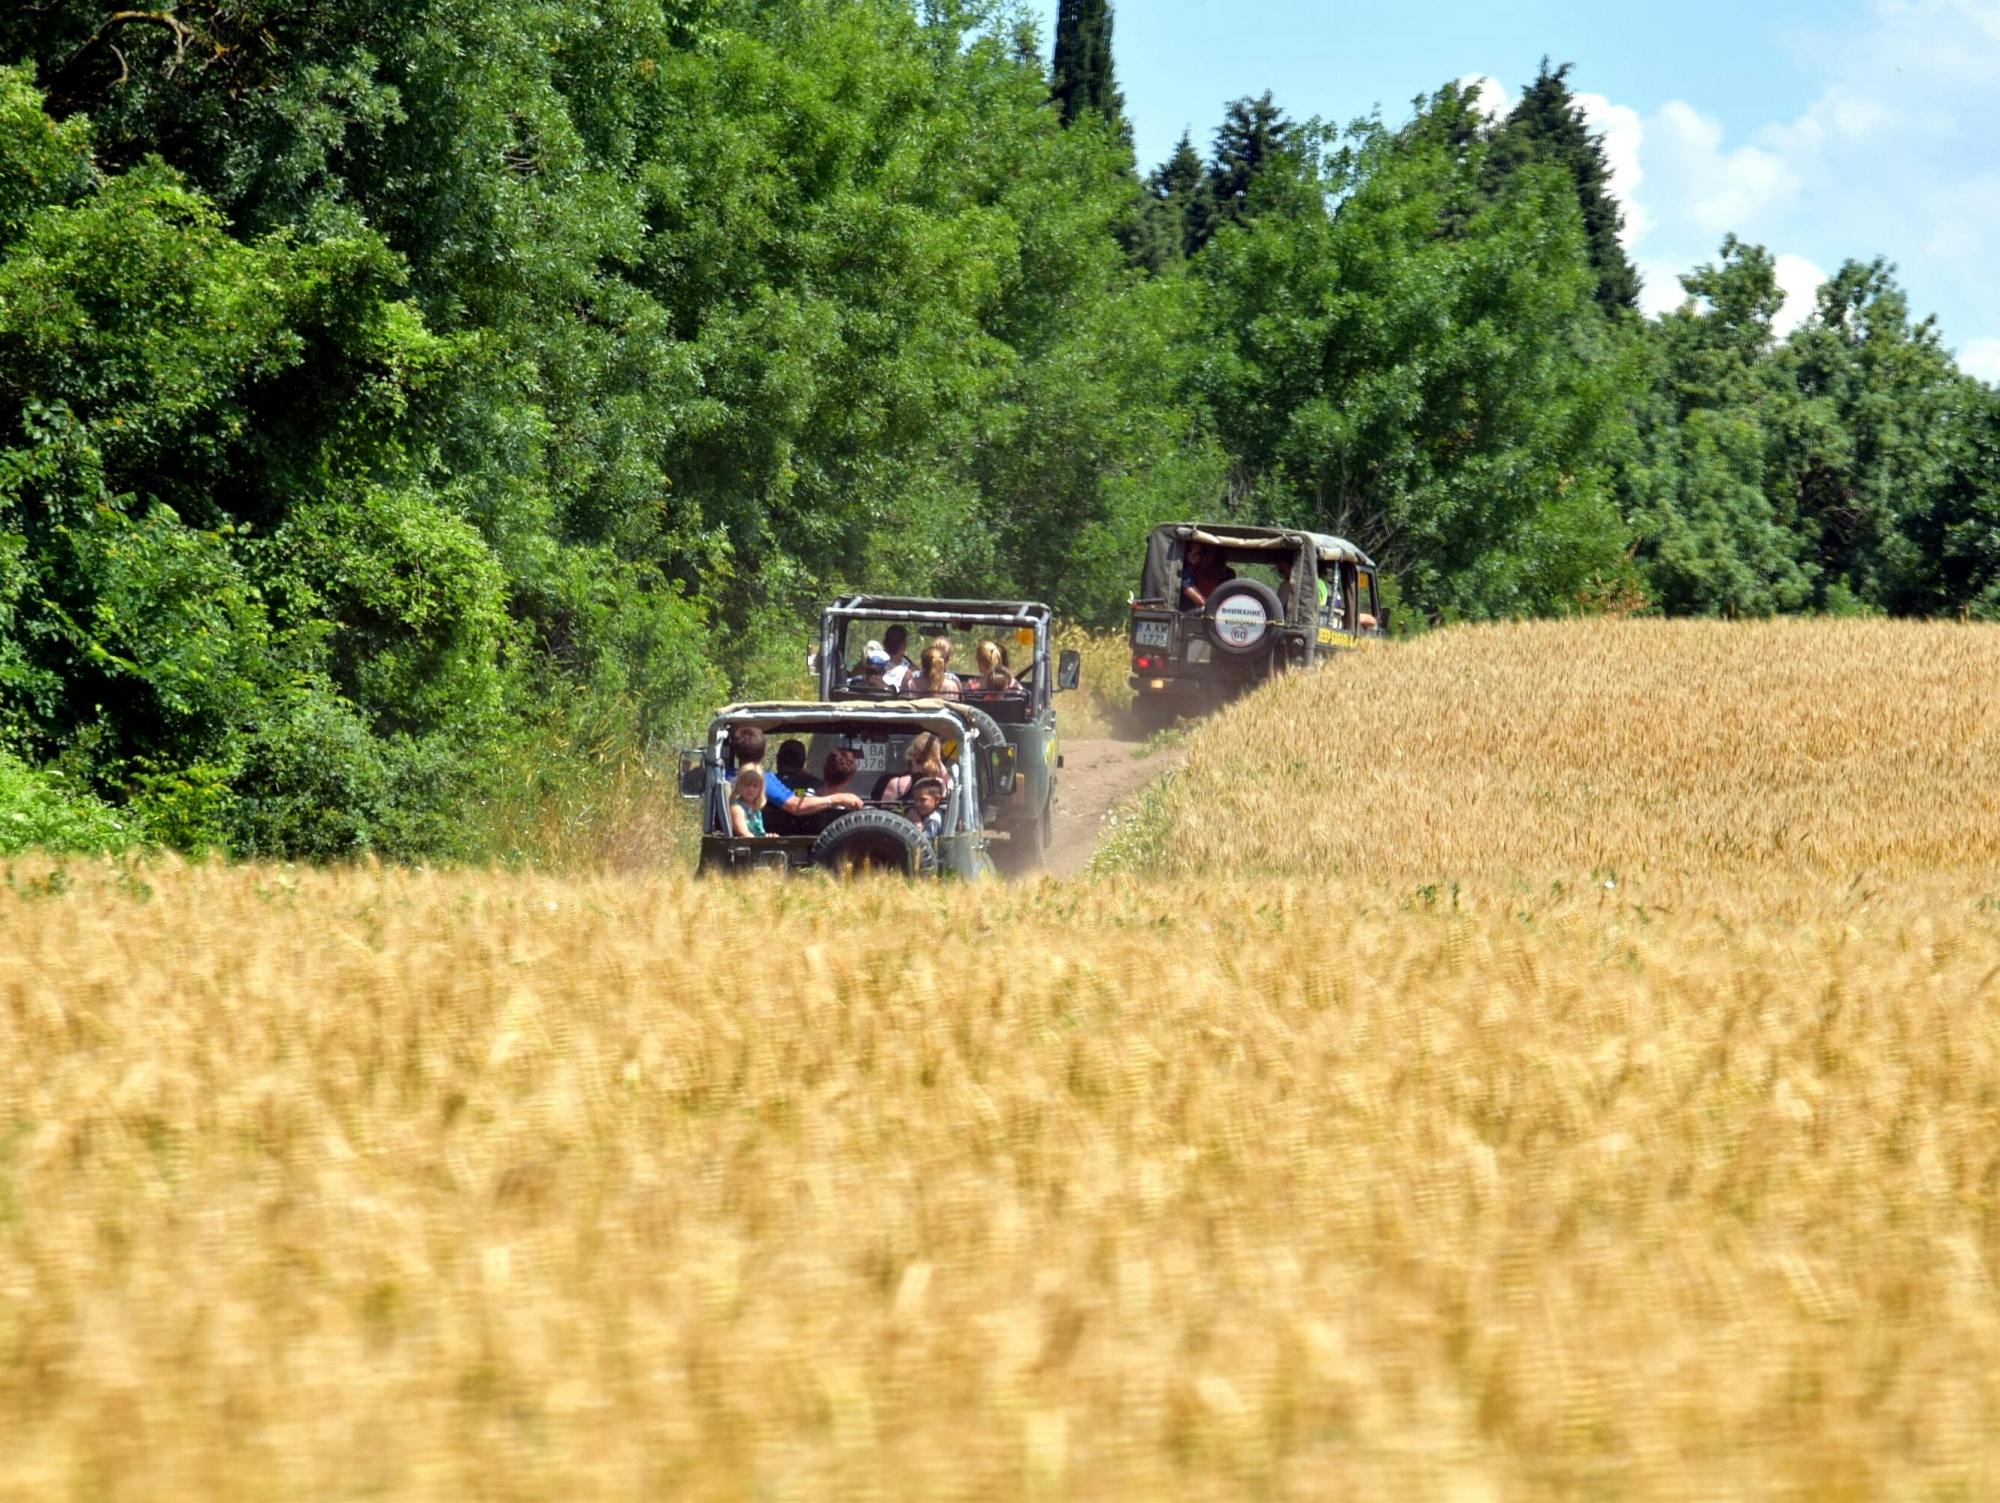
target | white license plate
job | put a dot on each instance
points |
(1152, 634)
(874, 756)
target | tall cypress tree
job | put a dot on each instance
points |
(1548, 126)
(1084, 79)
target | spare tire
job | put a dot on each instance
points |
(989, 730)
(874, 840)
(988, 733)
(1242, 617)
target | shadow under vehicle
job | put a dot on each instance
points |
(1025, 715)
(878, 836)
(1280, 599)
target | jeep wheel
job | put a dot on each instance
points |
(989, 734)
(1241, 617)
(874, 840)
(1022, 856)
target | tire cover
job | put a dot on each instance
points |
(990, 732)
(876, 834)
(1242, 617)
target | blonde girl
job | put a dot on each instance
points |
(936, 681)
(924, 758)
(746, 803)
(993, 674)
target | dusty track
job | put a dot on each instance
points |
(1096, 777)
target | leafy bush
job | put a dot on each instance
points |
(42, 810)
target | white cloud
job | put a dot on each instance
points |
(1489, 95)
(1981, 358)
(1660, 289)
(1800, 282)
(1839, 117)
(1719, 189)
(1624, 135)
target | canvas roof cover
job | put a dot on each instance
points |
(1164, 546)
(902, 714)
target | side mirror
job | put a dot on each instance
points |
(1069, 669)
(1000, 770)
(1382, 621)
(694, 774)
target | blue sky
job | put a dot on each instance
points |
(1828, 131)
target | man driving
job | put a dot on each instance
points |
(1203, 572)
(899, 667)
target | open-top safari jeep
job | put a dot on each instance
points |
(1275, 599)
(1024, 714)
(879, 836)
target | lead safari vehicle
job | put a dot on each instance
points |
(1291, 599)
(1024, 715)
(878, 836)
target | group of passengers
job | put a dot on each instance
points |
(785, 802)
(754, 792)
(885, 668)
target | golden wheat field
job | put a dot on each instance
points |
(1610, 1110)
(1667, 749)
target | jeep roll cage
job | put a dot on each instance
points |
(986, 771)
(929, 617)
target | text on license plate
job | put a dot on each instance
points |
(1152, 633)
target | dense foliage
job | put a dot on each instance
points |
(408, 409)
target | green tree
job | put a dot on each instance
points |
(1870, 435)
(1712, 540)
(1953, 533)
(1548, 127)
(1085, 81)
(1254, 136)
(1179, 186)
(1440, 397)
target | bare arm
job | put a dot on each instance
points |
(739, 822)
(815, 803)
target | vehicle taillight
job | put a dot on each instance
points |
(1141, 663)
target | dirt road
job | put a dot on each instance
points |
(1096, 777)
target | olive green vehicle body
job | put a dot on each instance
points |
(1186, 660)
(982, 775)
(1027, 718)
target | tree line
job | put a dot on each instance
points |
(406, 404)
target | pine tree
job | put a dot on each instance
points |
(1548, 126)
(1084, 78)
(1180, 186)
(1254, 132)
